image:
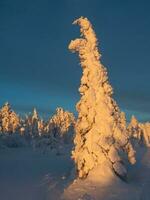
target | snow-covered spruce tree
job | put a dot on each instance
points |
(31, 124)
(15, 122)
(133, 128)
(61, 125)
(100, 135)
(22, 127)
(35, 121)
(41, 127)
(10, 122)
(0, 122)
(139, 132)
(145, 133)
(26, 124)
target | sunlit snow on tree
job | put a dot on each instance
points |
(100, 133)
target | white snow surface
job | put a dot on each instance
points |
(27, 174)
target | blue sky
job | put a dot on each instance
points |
(37, 70)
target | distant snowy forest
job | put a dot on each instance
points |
(32, 130)
(16, 130)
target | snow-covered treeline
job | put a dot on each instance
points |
(14, 129)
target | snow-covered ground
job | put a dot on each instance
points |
(112, 188)
(27, 174)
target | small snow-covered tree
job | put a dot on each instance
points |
(145, 133)
(0, 122)
(41, 127)
(15, 122)
(10, 122)
(57, 131)
(100, 133)
(61, 123)
(133, 128)
(26, 124)
(35, 121)
(5, 114)
(140, 132)
(134, 122)
(31, 124)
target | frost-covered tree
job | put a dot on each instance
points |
(5, 115)
(61, 123)
(10, 121)
(133, 128)
(134, 122)
(57, 131)
(15, 122)
(0, 122)
(35, 121)
(101, 137)
(26, 124)
(140, 132)
(31, 124)
(145, 133)
(41, 127)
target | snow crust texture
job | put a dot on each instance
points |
(101, 133)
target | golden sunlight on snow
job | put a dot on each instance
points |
(101, 135)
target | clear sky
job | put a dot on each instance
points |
(37, 70)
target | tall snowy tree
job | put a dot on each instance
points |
(100, 134)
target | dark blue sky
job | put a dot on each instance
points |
(36, 68)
